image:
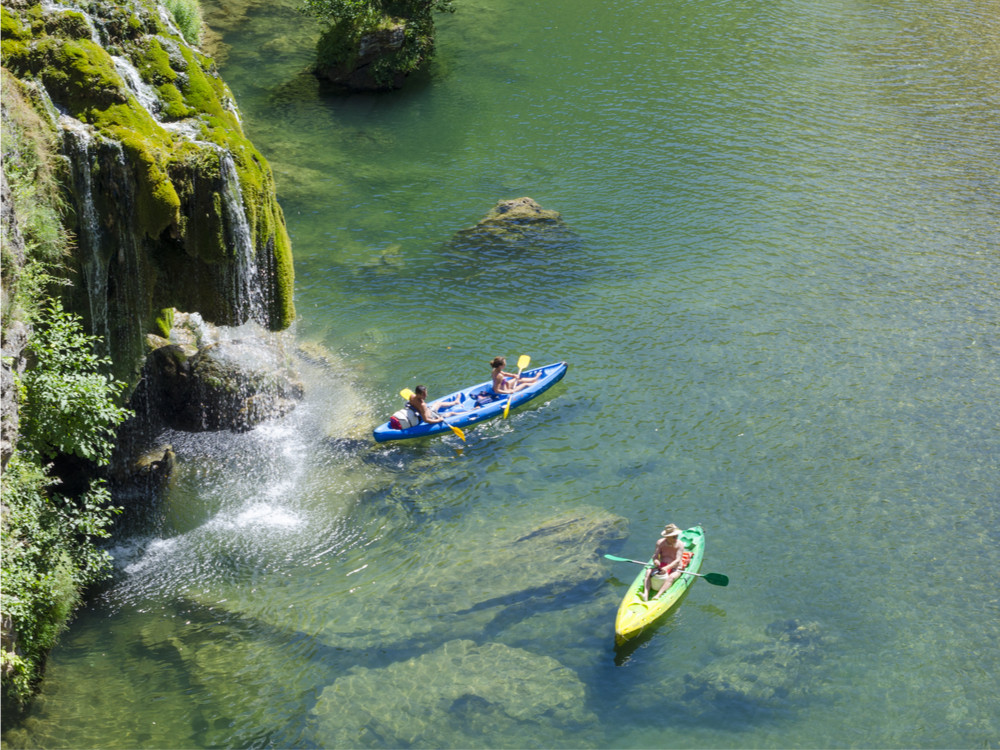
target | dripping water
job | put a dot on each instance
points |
(77, 142)
(243, 282)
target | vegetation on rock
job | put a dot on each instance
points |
(155, 121)
(187, 16)
(68, 409)
(126, 177)
(374, 44)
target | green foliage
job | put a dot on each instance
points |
(70, 403)
(187, 16)
(369, 12)
(48, 556)
(351, 21)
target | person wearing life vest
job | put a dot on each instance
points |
(669, 559)
(417, 410)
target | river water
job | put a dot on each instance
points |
(780, 306)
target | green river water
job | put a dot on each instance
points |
(780, 304)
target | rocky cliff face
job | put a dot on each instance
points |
(172, 206)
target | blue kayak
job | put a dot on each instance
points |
(477, 403)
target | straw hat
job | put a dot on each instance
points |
(671, 530)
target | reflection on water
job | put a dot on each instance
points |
(776, 299)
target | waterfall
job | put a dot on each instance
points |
(142, 91)
(77, 142)
(54, 7)
(242, 277)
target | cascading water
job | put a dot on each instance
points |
(142, 91)
(78, 140)
(243, 278)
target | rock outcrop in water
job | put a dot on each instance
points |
(198, 381)
(172, 206)
(520, 251)
(514, 222)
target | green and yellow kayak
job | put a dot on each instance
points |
(635, 614)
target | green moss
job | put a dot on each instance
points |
(173, 106)
(283, 314)
(70, 23)
(164, 322)
(158, 205)
(11, 27)
(77, 73)
(154, 67)
(13, 49)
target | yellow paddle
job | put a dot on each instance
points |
(406, 393)
(523, 361)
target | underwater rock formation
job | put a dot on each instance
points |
(519, 250)
(515, 222)
(538, 567)
(453, 697)
(172, 206)
(756, 677)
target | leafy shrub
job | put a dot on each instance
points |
(70, 403)
(187, 16)
(50, 553)
(49, 556)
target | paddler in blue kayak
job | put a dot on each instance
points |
(669, 558)
(417, 410)
(505, 383)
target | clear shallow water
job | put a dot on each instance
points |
(781, 314)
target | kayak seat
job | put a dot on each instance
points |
(485, 397)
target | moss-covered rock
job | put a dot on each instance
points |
(377, 49)
(149, 129)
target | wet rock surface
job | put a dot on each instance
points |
(518, 249)
(452, 697)
(200, 381)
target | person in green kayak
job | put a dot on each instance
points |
(505, 383)
(669, 559)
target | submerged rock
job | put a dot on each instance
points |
(520, 210)
(756, 676)
(454, 696)
(515, 223)
(521, 251)
(539, 567)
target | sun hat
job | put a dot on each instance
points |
(671, 530)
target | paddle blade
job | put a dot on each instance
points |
(406, 393)
(717, 579)
(457, 431)
(506, 407)
(523, 361)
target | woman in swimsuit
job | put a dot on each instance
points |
(507, 382)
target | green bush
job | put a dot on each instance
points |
(70, 403)
(68, 406)
(49, 556)
(187, 16)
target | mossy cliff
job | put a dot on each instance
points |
(173, 207)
